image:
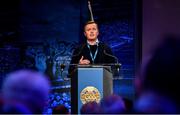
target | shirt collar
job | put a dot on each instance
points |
(97, 42)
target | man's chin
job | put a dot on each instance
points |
(92, 39)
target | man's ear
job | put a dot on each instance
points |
(85, 34)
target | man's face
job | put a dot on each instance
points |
(91, 31)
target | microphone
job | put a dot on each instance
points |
(79, 51)
(62, 66)
(71, 65)
(117, 64)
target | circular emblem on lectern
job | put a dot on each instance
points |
(90, 93)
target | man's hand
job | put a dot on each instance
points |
(84, 61)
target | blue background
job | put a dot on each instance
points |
(42, 34)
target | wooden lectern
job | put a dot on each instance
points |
(90, 82)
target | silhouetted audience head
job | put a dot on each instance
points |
(61, 109)
(29, 88)
(128, 104)
(1, 104)
(158, 78)
(113, 104)
(91, 108)
(15, 108)
(151, 102)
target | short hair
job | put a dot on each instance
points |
(60, 109)
(160, 73)
(113, 104)
(28, 87)
(91, 107)
(90, 22)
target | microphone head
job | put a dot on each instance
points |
(117, 65)
(116, 59)
(117, 68)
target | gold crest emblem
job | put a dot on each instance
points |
(90, 93)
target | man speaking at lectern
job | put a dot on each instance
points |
(93, 51)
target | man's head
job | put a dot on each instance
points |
(159, 72)
(91, 107)
(113, 104)
(27, 87)
(91, 30)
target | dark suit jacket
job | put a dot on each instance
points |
(102, 57)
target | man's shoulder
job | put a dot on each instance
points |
(104, 45)
(79, 46)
